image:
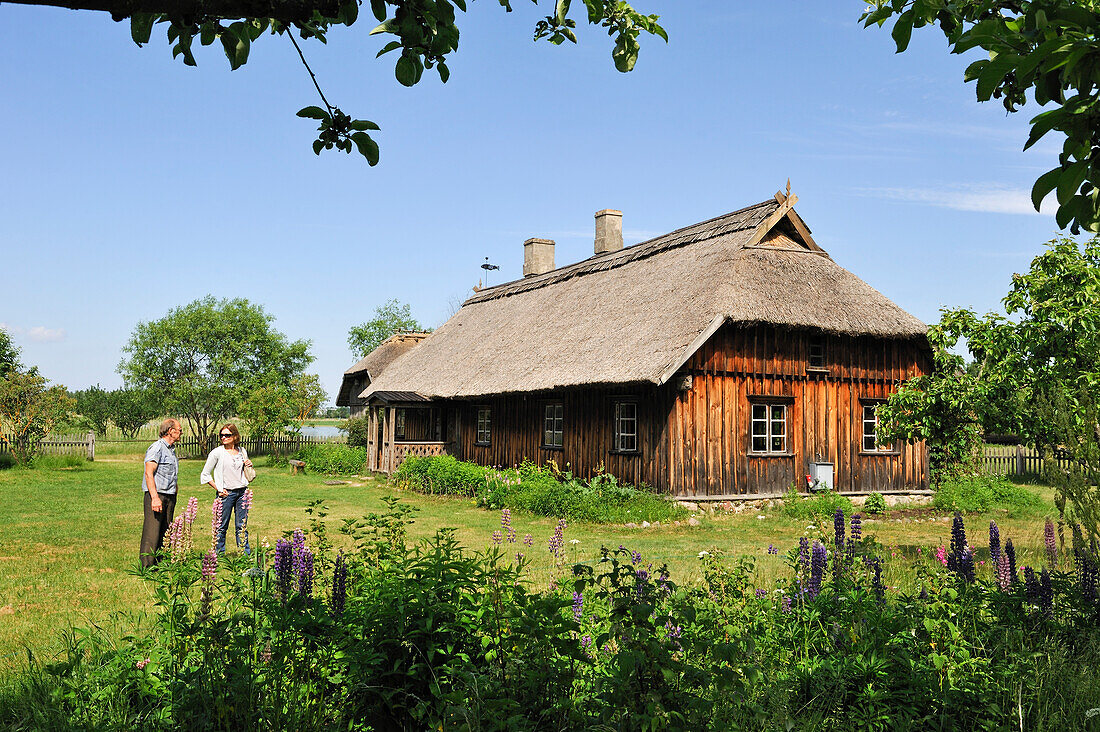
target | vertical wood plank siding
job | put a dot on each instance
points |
(696, 442)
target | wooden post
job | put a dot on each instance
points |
(91, 445)
(1020, 460)
(372, 428)
(391, 431)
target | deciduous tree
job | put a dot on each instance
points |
(29, 410)
(389, 318)
(204, 358)
(9, 354)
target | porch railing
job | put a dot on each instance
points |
(402, 450)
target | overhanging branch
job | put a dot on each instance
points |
(286, 11)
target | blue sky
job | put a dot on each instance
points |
(132, 184)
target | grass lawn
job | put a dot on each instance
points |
(70, 537)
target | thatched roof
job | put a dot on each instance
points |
(636, 315)
(370, 366)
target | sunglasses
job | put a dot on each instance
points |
(226, 434)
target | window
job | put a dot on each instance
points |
(484, 424)
(769, 429)
(815, 353)
(399, 425)
(871, 431)
(626, 427)
(552, 425)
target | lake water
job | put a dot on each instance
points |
(322, 430)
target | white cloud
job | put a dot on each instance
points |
(11, 329)
(42, 334)
(984, 198)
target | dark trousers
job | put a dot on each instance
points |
(152, 530)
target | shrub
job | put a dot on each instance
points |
(358, 429)
(983, 492)
(6, 461)
(819, 505)
(333, 458)
(875, 503)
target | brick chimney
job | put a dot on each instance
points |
(538, 256)
(609, 230)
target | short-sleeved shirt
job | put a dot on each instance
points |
(165, 477)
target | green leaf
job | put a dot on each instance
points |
(313, 113)
(1046, 183)
(391, 46)
(444, 72)
(389, 26)
(993, 74)
(405, 71)
(317, 145)
(1042, 124)
(368, 148)
(561, 12)
(625, 53)
(1071, 179)
(378, 7)
(362, 124)
(141, 26)
(903, 29)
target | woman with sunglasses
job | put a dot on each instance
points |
(224, 472)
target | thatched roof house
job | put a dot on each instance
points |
(633, 318)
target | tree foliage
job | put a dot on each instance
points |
(94, 407)
(425, 33)
(204, 358)
(9, 354)
(389, 318)
(1037, 370)
(29, 410)
(272, 407)
(1045, 48)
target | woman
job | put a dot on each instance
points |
(224, 472)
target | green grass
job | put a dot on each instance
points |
(70, 536)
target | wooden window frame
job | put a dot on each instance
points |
(812, 342)
(770, 404)
(873, 403)
(488, 425)
(558, 420)
(399, 417)
(617, 433)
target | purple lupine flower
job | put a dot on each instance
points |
(298, 539)
(966, 565)
(643, 574)
(506, 526)
(265, 657)
(578, 606)
(923, 593)
(209, 570)
(209, 565)
(284, 567)
(305, 573)
(857, 528)
(635, 557)
(557, 541)
(339, 586)
(838, 528)
(1090, 578)
(1046, 594)
(192, 511)
(804, 554)
(876, 580)
(761, 593)
(772, 549)
(1004, 576)
(786, 606)
(1031, 585)
(528, 540)
(817, 568)
(497, 537)
(1051, 544)
(994, 543)
(586, 645)
(215, 521)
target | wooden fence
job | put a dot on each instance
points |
(188, 447)
(79, 444)
(1015, 460)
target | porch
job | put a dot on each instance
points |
(404, 425)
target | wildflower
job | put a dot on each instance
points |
(578, 606)
(558, 539)
(772, 549)
(1051, 545)
(209, 570)
(876, 579)
(528, 540)
(142, 663)
(786, 606)
(265, 657)
(761, 593)
(1090, 578)
(253, 572)
(838, 528)
(857, 528)
(305, 573)
(923, 593)
(1046, 594)
(497, 537)
(1010, 552)
(704, 553)
(966, 565)
(574, 542)
(586, 646)
(1031, 585)
(284, 567)
(299, 540)
(635, 557)
(804, 553)
(1004, 576)
(215, 522)
(339, 586)
(209, 565)
(941, 554)
(506, 525)
(817, 567)
(994, 543)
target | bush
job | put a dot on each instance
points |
(6, 461)
(543, 491)
(982, 493)
(333, 458)
(819, 505)
(875, 504)
(358, 429)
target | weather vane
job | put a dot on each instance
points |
(488, 267)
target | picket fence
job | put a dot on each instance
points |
(186, 448)
(1016, 460)
(78, 444)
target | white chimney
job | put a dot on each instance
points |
(538, 256)
(609, 231)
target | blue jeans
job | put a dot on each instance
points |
(232, 504)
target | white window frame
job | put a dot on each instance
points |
(872, 421)
(484, 426)
(762, 426)
(553, 426)
(626, 426)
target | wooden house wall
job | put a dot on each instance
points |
(695, 442)
(708, 426)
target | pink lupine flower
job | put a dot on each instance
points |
(215, 522)
(941, 554)
(142, 664)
